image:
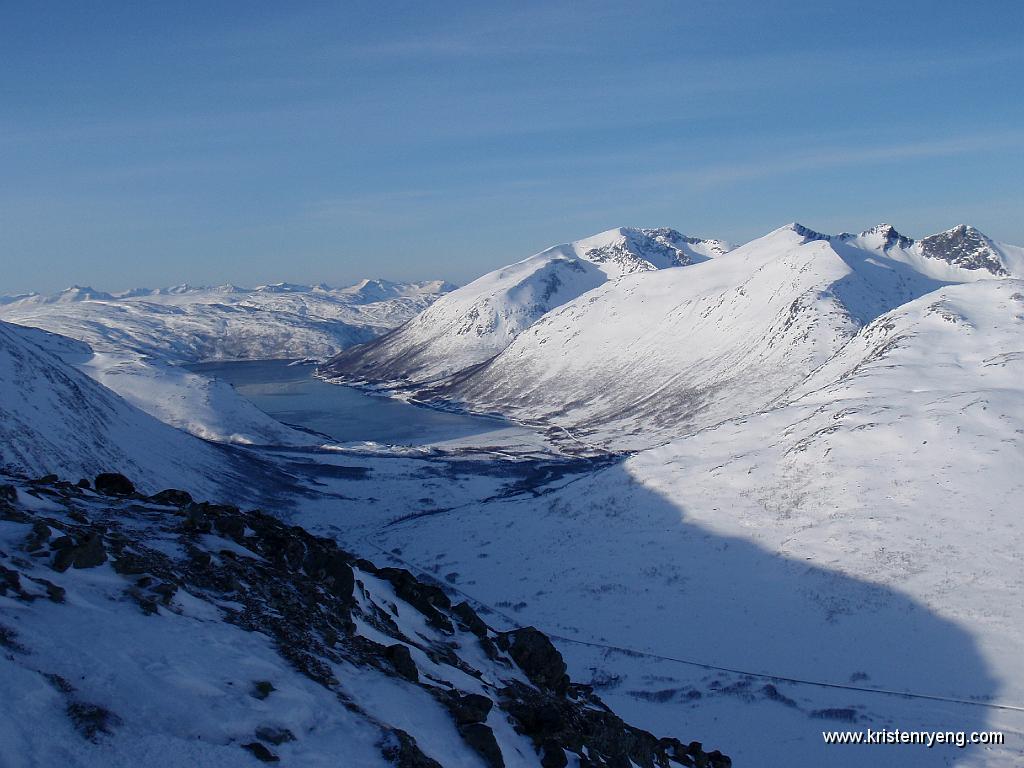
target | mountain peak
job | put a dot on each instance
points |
(641, 249)
(965, 247)
(81, 293)
(805, 232)
(890, 237)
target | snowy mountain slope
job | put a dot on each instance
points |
(156, 631)
(863, 532)
(137, 334)
(472, 324)
(205, 407)
(55, 418)
(186, 324)
(657, 354)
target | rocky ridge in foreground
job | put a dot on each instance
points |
(157, 630)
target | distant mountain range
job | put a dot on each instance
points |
(185, 323)
(137, 339)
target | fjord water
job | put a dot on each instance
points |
(291, 394)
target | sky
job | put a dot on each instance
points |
(150, 144)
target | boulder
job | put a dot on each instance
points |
(87, 553)
(552, 755)
(262, 688)
(172, 497)
(401, 660)
(469, 618)
(537, 656)
(261, 753)
(114, 484)
(471, 708)
(481, 738)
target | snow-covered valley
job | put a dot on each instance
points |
(751, 493)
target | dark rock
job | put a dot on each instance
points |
(9, 580)
(196, 519)
(90, 553)
(537, 717)
(129, 564)
(53, 592)
(172, 497)
(165, 590)
(39, 535)
(538, 658)
(340, 577)
(262, 688)
(426, 598)
(114, 484)
(91, 719)
(471, 708)
(261, 753)
(402, 750)
(717, 760)
(552, 755)
(401, 660)
(274, 735)
(201, 558)
(465, 614)
(481, 738)
(84, 484)
(8, 493)
(45, 480)
(231, 526)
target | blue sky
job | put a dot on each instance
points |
(157, 143)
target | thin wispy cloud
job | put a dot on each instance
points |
(840, 156)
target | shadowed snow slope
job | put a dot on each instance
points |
(54, 418)
(661, 353)
(475, 322)
(866, 532)
(159, 632)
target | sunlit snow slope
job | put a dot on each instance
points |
(659, 354)
(473, 323)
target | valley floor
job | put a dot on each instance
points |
(689, 612)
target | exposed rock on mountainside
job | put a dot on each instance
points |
(156, 626)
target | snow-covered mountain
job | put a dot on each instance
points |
(863, 532)
(138, 337)
(155, 631)
(472, 324)
(190, 324)
(655, 354)
(54, 418)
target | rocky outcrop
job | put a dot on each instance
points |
(325, 611)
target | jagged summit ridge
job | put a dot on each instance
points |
(964, 247)
(639, 249)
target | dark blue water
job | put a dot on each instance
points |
(291, 395)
